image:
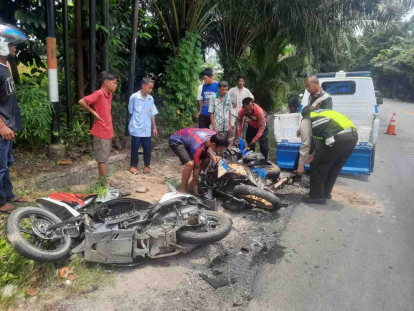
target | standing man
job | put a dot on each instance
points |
(318, 98)
(237, 94)
(337, 136)
(257, 130)
(10, 123)
(99, 104)
(194, 147)
(209, 90)
(220, 110)
(142, 108)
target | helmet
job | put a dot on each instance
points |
(9, 34)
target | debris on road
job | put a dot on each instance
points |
(218, 282)
(90, 289)
(142, 190)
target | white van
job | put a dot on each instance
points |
(352, 95)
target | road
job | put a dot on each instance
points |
(358, 253)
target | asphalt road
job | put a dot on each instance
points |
(357, 255)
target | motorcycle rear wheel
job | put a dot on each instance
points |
(258, 197)
(24, 239)
(219, 227)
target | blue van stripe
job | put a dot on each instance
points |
(300, 108)
(376, 109)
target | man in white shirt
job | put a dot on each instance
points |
(237, 94)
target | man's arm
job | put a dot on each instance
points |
(211, 110)
(85, 106)
(154, 126)
(5, 131)
(230, 120)
(306, 138)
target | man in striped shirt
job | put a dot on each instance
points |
(257, 130)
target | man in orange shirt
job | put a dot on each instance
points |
(99, 105)
(257, 130)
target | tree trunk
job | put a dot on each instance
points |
(79, 51)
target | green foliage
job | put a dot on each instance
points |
(36, 110)
(118, 112)
(183, 71)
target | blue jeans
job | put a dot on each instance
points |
(6, 160)
(146, 145)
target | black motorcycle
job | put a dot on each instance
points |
(237, 185)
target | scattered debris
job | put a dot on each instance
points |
(142, 190)
(245, 249)
(238, 303)
(64, 162)
(63, 272)
(9, 290)
(68, 283)
(89, 290)
(32, 291)
(218, 282)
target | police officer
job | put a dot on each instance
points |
(337, 138)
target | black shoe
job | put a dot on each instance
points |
(328, 197)
(309, 200)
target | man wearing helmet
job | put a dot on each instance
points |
(10, 123)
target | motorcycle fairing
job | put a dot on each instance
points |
(225, 167)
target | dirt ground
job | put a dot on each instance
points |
(174, 283)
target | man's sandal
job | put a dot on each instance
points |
(133, 171)
(147, 170)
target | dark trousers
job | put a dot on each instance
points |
(263, 140)
(6, 160)
(136, 142)
(328, 163)
(204, 121)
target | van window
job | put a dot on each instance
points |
(339, 87)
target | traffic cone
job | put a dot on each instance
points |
(391, 127)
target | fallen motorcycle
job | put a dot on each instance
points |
(238, 187)
(113, 231)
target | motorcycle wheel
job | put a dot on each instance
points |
(273, 172)
(258, 197)
(26, 238)
(219, 226)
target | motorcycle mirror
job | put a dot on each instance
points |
(171, 188)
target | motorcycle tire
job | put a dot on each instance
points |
(273, 172)
(201, 238)
(28, 250)
(261, 198)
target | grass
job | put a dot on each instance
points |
(175, 181)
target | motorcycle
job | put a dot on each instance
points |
(113, 230)
(256, 161)
(237, 185)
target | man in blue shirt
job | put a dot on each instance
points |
(142, 110)
(210, 89)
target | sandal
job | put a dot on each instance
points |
(133, 170)
(8, 208)
(18, 200)
(147, 170)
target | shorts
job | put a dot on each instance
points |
(182, 153)
(101, 149)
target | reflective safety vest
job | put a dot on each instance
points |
(327, 123)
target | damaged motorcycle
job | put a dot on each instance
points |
(114, 230)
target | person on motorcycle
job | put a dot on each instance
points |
(195, 147)
(257, 130)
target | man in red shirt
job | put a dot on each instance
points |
(257, 130)
(99, 105)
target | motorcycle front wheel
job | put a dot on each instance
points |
(217, 228)
(24, 230)
(258, 197)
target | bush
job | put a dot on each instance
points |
(36, 111)
(182, 81)
(119, 110)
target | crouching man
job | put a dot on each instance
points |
(195, 147)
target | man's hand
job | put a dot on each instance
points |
(198, 115)
(301, 170)
(155, 132)
(215, 129)
(311, 157)
(298, 133)
(216, 158)
(234, 105)
(236, 142)
(253, 141)
(96, 115)
(6, 133)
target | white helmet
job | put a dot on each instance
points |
(9, 34)
(4, 47)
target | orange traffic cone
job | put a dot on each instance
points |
(391, 127)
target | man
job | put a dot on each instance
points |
(142, 108)
(220, 110)
(10, 123)
(318, 98)
(257, 130)
(337, 138)
(209, 90)
(193, 146)
(99, 104)
(237, 94)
